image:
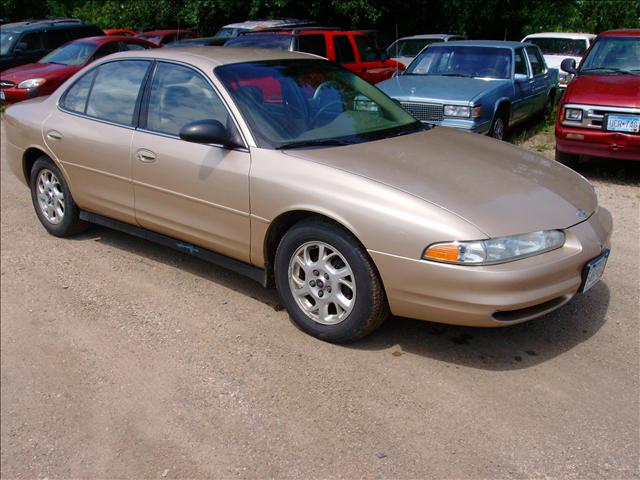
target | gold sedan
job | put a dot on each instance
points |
(296, 172)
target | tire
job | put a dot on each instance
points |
(548, 105)
(341, 299)
(52, 200)
(498, 128)
(567, 159)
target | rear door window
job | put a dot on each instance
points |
(537, 63)
(105, 50)
(52, 39)
(368, 52)
(30, 42)
(315, 44)
(75, 99)
(343, 49)
(521, 62)
(115, 90)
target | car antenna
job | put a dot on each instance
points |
(396, 45)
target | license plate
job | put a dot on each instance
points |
(2, 98)
(623, 123)
(593, 271)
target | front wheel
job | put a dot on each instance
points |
(328, 283)
(498, 127)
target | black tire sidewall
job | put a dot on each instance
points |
(70, 224)
(499, 117)
(358, 322)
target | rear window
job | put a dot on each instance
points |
(315, 44)
(273, 42)
(560, 46)
(410, 48)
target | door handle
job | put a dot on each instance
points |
(146, 156)
(54, 135)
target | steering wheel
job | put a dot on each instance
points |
(321, 110)
(323, 85)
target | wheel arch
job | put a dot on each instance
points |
(501, 105)
(29, 157)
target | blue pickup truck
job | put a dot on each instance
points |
(483, 86)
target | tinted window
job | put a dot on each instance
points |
(315, 44)
(180, 95)
(368, 53)
(7, 39)
(54, 38)
(75, 99)
(521, 62)
(105, 50)
(261, 40)
(124, 46)
(30, 42)
(537, 64)
(344, 51)
(115, 91)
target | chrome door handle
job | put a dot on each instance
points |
(54, 135)
(145, 155)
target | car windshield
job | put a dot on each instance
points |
(613, 55)
(462, 61)
(306, 103)
(274, 42)
(72, 54)
(7, 39)
(410, 47)
(560, 46)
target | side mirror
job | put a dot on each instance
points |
(569, 65)
(520, 77)
(207, 131)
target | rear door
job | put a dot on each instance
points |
(90, 134)
(540, 75)
(372, 67)
(344, 54)
(195, 192)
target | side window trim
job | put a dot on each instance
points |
(144, 105)
(102, 120)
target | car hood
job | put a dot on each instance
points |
(609, 90)
(437, 88)
(36, 70)
(497, 187)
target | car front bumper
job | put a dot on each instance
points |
(597, 143)
(481, 127)
(495, 295)
(13, 94)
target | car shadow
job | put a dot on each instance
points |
(509, 348)
(621, 172)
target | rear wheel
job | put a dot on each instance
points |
(52, 200)
(328, 283)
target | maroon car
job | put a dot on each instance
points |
(42, 78)
(162, 37)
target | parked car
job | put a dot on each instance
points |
(235, 29)
(29, 41)
(599, 114)
(557, 46)
(198, 42)
(162, 37)
(43, 77)
(485, 86)
(121, 32)
(353, 50)
(352, 209)
(405, 49)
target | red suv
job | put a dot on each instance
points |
(599, 114)
(353, 50)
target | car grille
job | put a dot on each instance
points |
(6, 84)
(593, 115)
(425, 112)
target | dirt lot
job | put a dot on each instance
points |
(122, 359)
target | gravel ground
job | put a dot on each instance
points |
(123, 359)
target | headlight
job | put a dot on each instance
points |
(495, 250)
(573, 114)
(32, 83)
(456, 111)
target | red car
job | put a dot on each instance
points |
(353, 50)
(42, 78)
(120, 32)
(599, 114)
(161, 37)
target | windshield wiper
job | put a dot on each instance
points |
(454, 75)
(331, 142)
(610, 69)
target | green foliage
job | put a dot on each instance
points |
(476, 18)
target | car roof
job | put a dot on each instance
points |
(56, 23)
(482, 43)
(561, 35)
(211, 57)
(259, 24)
(159, 33)
(633, 32)
(430, 35)
(102, 39)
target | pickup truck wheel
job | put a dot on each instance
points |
(328, 283)
(498, 126)
(567, 159)
(52, 200)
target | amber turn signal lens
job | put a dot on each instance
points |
(444, 251)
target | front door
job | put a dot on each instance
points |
(372, 67)
(521, 106)
(194, 192)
